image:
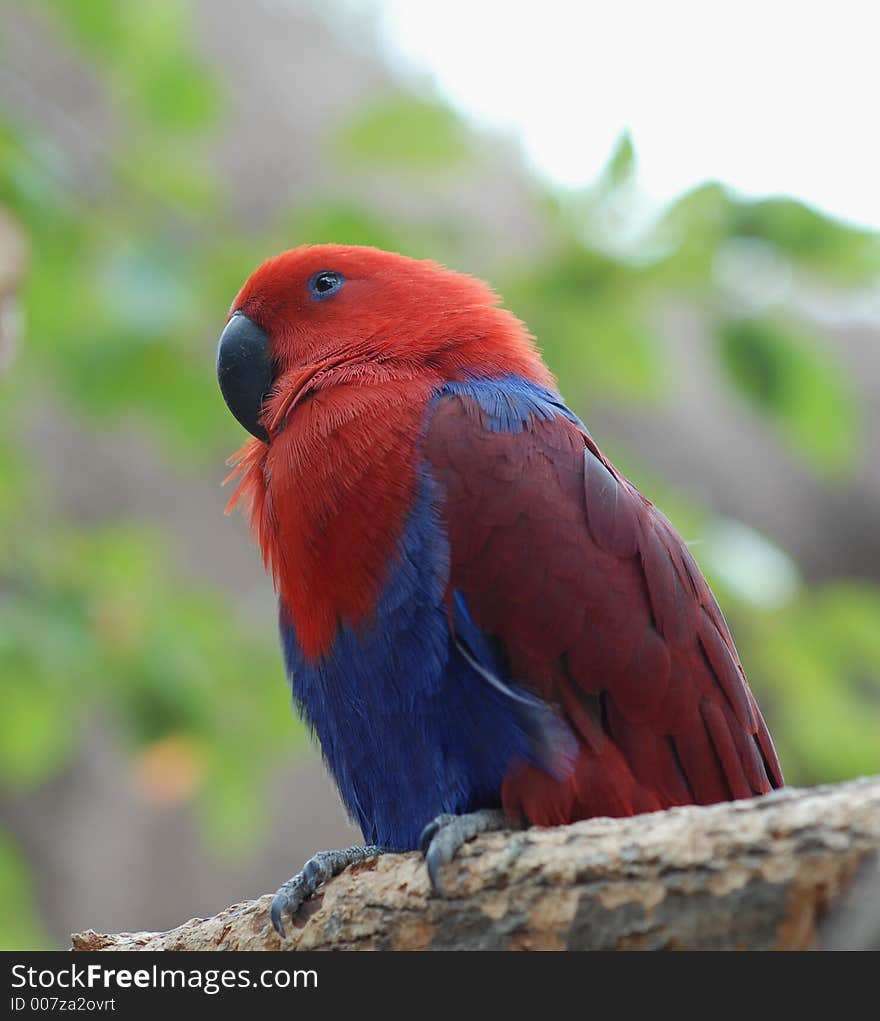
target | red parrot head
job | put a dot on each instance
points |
(320, 315)
(330, 358)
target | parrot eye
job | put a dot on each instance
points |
(325, 284)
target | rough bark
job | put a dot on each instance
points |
(794, 870)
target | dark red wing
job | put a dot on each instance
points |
(602, 610)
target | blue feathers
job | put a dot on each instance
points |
(408, 722)
(406, 727)
(510, 402)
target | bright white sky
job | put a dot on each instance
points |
(770, 97)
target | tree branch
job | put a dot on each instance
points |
(773, 872)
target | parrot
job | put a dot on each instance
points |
(483, 622)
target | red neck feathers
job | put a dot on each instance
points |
(329, 494)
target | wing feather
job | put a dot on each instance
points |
(600, 609)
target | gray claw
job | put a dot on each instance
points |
(286, 901)
(276, 912)
(317, 870)
(443, 836)
(430, 831)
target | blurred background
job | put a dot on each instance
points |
(684, 209)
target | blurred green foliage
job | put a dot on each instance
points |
(786, 374)
(126, 292)
(403, 132)
(124, 296)
(818, 658)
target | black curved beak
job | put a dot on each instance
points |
(244, 372)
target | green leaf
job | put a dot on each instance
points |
(783, 371)
(621, 167)
(590, 325)
(145, 47)
(693, 230)
(36, 724)
(20, 928)
(342, 223)
(810, 239)
(819, 662)
(98, 24)
(404, 132)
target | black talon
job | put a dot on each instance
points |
(433, 861)
(317, 870)
(431, 830)
(275, 913)
(442, 837)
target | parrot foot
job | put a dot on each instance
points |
(318, 869)
(443, 836)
